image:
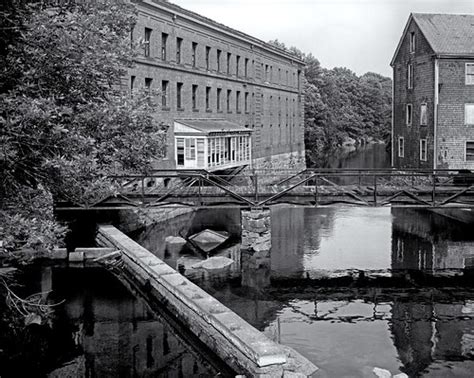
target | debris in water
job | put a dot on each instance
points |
(208, 240)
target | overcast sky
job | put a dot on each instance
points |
(358, 34)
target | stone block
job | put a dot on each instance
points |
(76, 257)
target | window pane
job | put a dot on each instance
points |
(469, 111)
(424, 114)
(470, 151)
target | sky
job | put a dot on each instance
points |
(361, 35)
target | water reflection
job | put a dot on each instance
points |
(102, 330)
(349, 332)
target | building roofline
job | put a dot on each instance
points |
(405, 30)
(193, 16)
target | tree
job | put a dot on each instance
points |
(66, 124)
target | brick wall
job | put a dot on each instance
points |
(422, 93)
(452, 130)
(272, 83)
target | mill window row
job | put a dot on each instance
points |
(282, 108)
(234, 64)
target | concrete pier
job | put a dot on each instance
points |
(237, 343)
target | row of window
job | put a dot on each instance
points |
(242, 99)
(469, 74)
(233, 64)
(423, 114)
(469, 148)
(423, 148)
(468, 114)
(191, 152)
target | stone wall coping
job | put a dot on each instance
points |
(252, 343)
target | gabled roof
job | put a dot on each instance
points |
(215, 125)
(447, 34)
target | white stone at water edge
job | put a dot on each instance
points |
(176, 240)
(218, 262)
(382, 373)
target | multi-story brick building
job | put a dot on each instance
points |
(228, 99)
(433, 93)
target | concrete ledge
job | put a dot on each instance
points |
(239, 344)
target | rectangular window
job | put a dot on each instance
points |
(179, 44)
(237, 101)
(208, 98)
(408, 114)
(229, 93)
(246, 102)
(229, 55)
(219, 54)
(469, 73)
(148, 82)
(193, 54)
(237, 65)
(267, 72)
(412, 42)
(194, 96)
(423, 114)
(179, 95)
(190, 149)
(146, 42)
(401, 147)
(246, 67)
(164, 41)
(470, 151)
(423, 149)
(219, 95)
(132, 83)
(164, 93)
(410, 76)
(469, 114)
(208, 54)
(180, 151)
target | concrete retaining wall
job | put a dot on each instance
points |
(242, 347)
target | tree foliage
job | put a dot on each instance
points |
(66, 124)
(340, 105)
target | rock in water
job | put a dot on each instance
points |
(214, 263)
(382, 373)
(176, 240)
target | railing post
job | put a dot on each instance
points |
(375, 190)
(316, 199)
(433, 195)
(143, 189)
(255, 183)
(199, 191)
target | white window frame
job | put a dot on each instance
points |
(410, 76)
(469, 76)
(412, 42)
(424, 105)
(465, 150)
(466, 120)
(401, 147)
(408, 122)
(423, 152)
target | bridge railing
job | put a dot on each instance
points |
(262, 187)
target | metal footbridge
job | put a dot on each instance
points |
(264, 187)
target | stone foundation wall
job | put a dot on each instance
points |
(291, 160)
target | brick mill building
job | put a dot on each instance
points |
(433, 93)
(228, 99)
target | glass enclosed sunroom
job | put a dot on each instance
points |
(211, 144)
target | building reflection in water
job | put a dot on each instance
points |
(422, 240)
(116, 333)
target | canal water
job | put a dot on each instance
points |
(100, 329)
(415, 315)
